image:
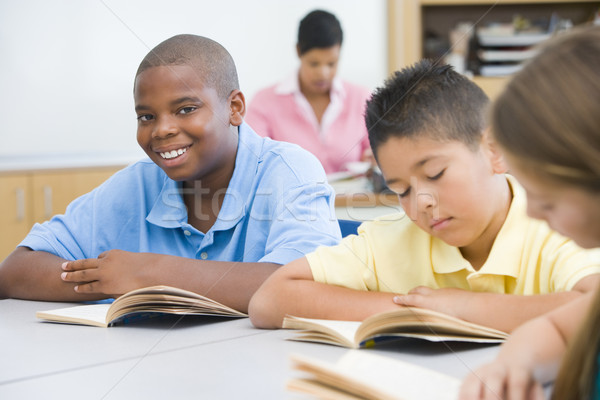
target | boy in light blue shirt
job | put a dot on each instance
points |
(215, 210)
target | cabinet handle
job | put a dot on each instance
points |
(20, 196)
(47, 202)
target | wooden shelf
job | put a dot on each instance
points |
(410, 20)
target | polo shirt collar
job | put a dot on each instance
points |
(169, 210)
(291, 85)
(240, 189)
(447, 259)
(511, 236)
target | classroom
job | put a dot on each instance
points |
(68, 80)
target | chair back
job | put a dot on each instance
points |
(348, 226)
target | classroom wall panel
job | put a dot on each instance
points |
(67, 66)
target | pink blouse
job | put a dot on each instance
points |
(281, 112)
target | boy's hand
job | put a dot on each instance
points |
(448, 300)
(114, 272)
(500, 380)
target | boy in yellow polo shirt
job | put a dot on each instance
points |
(464, 246)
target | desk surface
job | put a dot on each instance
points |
(356, 201)
(193, 357)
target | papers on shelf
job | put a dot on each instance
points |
(506, 55)
(499, 70)
(495, 37)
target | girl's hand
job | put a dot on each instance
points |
(499, 380)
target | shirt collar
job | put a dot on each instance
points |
(447, 259)
(511, 236)
(169, 210)
(240, 189)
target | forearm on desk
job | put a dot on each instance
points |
(230, 283)
(507, 312)
(500, 311)
(292, 291)
(35, 275)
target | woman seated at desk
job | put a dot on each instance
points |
(313, 107)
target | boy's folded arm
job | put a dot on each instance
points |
(500, 311)
(116, 272)
(291, 290)
(38, 275)
(228, 282)
(35, 275)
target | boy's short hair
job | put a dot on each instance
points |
(319, 29)
(212, 61)
(427, 100)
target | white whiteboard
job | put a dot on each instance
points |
(67, 66)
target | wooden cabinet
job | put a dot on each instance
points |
(15, 215)
(35, 196)
(53, 191)
(411, 22)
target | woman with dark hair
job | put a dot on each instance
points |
(313, 107)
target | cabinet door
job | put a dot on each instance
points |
(53, 191)
(15, 214)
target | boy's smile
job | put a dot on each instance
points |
(183, 125)
(447, 189)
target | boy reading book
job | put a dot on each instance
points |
(464, 245)
(214, 210)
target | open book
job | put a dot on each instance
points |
(139, 303)
(362, 375)
(403, 322)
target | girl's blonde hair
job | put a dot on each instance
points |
(577, 378)
(548, 117)
(548, 120)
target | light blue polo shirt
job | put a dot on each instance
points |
(277, 208)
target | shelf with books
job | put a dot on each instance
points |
(422, 29)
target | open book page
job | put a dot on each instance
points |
(157, 298)
(404, 322)
(139, 303)
(340, 333)
(91, 314)
(421, 322)
(371, 376)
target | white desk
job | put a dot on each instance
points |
(196, 358)
(356, 201)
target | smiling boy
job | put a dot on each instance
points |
(215, 209)
(464, 245)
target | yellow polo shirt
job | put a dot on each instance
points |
(392, 254)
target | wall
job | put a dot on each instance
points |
(67, 66)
